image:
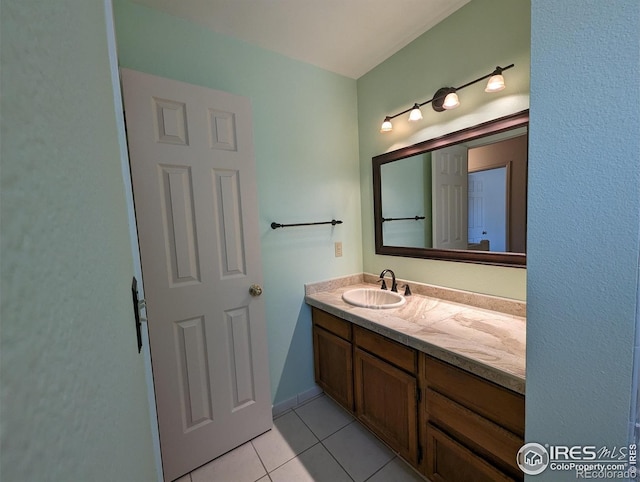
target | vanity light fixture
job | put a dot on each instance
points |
(496, 82)
(451, 101)
(386, 125)
(446, 98)
(415, 113)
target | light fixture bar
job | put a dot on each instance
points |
(439, 96)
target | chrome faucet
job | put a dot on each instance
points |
(394, 285)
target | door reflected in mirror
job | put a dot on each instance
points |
(468, 196)
(459, 197)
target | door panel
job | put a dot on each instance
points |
(193, 372)
(226, 185)
(194, 182)
(449, 184)
(179, 224)
(239, 330)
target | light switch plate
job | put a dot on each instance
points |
(338, 249)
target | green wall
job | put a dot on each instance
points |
(584, 224)
(306, 144)
(466, 45)
(404, 192)
(74, 403)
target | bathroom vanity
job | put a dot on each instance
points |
(440, 379)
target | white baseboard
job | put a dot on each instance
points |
(293, 402)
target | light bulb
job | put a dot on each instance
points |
(451, 101)
(495, 84)
(386, 125)
(415, 113)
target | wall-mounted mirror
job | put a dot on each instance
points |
(459, 197)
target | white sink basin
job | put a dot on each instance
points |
(373, 298)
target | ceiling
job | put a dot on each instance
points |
(348, 37)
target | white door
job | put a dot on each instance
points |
(449, 211)
(475, 213)
(194, 183)
(488, 207)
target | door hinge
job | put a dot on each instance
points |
(137, 305)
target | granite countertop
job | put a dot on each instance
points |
(482, 334)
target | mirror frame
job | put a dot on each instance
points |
(519, 260)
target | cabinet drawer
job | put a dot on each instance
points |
(501, 406)
(490, 440)
(332, 323)
(448, 461)
(391, 351)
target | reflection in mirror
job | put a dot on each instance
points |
(459, 197)
(406, 202)
(491, 184)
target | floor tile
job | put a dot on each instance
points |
(184, 478)
(323, 416)
(264, 479)
(288, 437)
(313, 465)
(398, 471)
(239, 465)
(358, 451)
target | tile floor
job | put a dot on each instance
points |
(315, 442)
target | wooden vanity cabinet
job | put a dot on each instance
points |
(386, 390)
(451, 425)
(472, 428)
(371, 376)
(333, 357)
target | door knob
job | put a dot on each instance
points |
(255, 290)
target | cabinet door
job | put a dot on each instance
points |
(333, 364)
(386, 402)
